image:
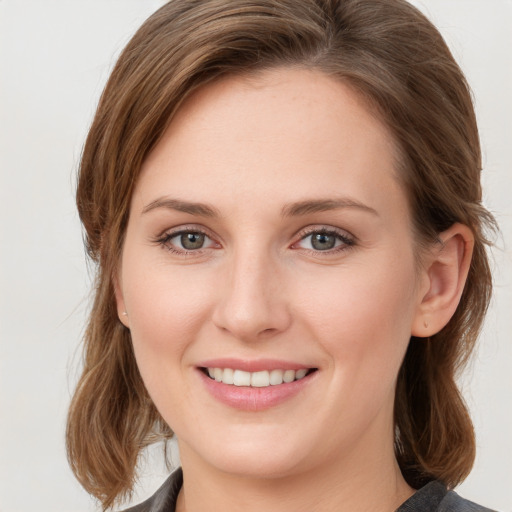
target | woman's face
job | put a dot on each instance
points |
(269, 240)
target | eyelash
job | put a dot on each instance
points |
(347, 241)
(164, 241)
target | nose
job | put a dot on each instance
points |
(252, 301)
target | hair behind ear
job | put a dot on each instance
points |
(434, 436)
(111, 413)
(430, 414)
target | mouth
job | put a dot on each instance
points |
(259, 379)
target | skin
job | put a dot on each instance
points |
(249, 148)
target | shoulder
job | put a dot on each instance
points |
(164, 499)
(452, 502)
(434, 497)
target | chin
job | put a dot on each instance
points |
(252, 456)
(258, 465)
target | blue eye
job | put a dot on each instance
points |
(325, 240)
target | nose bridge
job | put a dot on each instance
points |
(252, 303)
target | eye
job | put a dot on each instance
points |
(325, 240)
(185, 241)
(189, 241)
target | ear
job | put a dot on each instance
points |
(445, 271)
(121, 307)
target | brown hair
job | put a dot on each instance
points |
(392, 55)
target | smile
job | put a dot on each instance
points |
(259, 386)
(259, 379)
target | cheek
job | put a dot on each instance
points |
(363, 318)
(167, 308)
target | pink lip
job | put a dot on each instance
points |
(247, 398)
(252, 366)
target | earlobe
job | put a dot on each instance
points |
(121, 308)
(446, 270)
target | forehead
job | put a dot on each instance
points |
(298, 129)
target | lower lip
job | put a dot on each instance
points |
(248, 398)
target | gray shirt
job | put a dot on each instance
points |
(433, 497)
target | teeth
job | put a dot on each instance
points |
(289, 376)
(276, 377)
(260, 379)
(228, 376)
(241, 378)
(300, 374)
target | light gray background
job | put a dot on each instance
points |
(55, 56)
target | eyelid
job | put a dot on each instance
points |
(168, 234)
(348, 240)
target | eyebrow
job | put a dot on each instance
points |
(323, 205)
(290, 210)
(201, 209)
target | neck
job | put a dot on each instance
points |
(359, 481)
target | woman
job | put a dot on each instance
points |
(283, 199)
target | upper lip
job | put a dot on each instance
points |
(256, 365)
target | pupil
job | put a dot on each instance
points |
(323, 242)
(192, 240)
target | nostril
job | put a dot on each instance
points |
(270, 330)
